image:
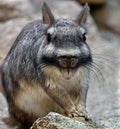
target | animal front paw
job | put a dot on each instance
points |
(78, 112)
(84, 113)
(72, 113)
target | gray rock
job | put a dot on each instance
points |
(9, 11)
(8, 32)
(56, 121)
(111, 123)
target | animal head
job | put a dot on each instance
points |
(66, 49)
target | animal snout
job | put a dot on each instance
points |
(68, 62)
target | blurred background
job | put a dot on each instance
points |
(103, 25)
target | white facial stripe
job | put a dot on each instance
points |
(71, 52)
(51, 30)
(50, 49)
(85, 49)
(82, 30)
(62, 52)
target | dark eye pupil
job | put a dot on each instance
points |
(84, 37)
(49, 37)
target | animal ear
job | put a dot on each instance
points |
(82, 17)
(48, 17)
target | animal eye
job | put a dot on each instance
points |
(49, 37)
(82, 33)
(84, 37)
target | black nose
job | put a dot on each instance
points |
(68, 62)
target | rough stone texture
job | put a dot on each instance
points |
(56, 121)
(93, 2)
(8, 12)
(111, 123)
(8, 32)
(108, 16)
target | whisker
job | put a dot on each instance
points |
(90, 71)
(87, 77)
(109, 67)
(106, 58)
(95, 73)
(100, 72)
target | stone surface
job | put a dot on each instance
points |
(8, 32)
(111, 123)
(56, 121)
(8, 12)
(108, 16)
(93, 2)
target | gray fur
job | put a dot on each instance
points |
(25, 61)
(32, 42)
(22, 56)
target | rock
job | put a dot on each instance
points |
(8, 33)
(8, 12)
(93, 2)
(111, 123)
(108, 16)
(57, 121)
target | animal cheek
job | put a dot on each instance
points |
(85, 50)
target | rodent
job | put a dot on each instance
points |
(44, 69)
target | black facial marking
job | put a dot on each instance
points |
(85, 60)
(84, 37)
(54, 61)
(49, 37)
(49, 60)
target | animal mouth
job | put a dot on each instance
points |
(68, 73)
